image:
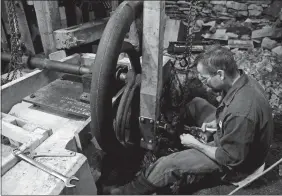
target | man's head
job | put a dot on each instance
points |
(217, 68)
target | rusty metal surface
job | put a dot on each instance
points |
(62, 96)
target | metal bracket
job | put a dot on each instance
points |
(147, 129)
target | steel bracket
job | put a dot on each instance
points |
(148, 139)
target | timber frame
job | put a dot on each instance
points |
(49, 21)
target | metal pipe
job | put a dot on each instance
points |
(36, 62)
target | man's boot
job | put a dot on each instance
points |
(139, 186)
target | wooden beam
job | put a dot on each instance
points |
(48, 19)
(23, 27)
(29, 180)
(5, 17)
(152, 68)
(114, 5)
(30, 140)
(171, 31)
(152, 60)
(80, 34)
(24, 86)
(63, 16)
(4, 40)
(29, 83)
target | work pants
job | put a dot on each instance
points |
(190, 164)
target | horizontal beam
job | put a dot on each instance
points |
(80, 34)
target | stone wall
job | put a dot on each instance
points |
(224, 9)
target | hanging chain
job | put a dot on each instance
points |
(15, 63)
(190, 20)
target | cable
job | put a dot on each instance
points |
(256, 177)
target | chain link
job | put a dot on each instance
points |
(190, 20)
(15, 63)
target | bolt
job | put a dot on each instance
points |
(158, 122)
(151, 121)
(150, 141)
(142, 139)
(32, 96)
(142, 119)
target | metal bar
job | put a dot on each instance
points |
(35, 62)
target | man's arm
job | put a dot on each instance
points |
(207, 150)
(190, 141)
(233, 145)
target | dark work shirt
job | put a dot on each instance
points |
(245, 128)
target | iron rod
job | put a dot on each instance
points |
(36, 62)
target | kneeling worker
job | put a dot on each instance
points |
(244, 130)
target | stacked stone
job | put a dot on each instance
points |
(220, 8)
(267, 70)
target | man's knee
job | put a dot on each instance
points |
(198, 102)
(200, 110)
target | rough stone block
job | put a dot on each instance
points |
(236, 6)
(268, 43)
(242, 13)
(206, 11)
(277, 50)
(274, 9)
(259, 2)
(255, 13)
(219, 8)
(223, 2)
(255, 7)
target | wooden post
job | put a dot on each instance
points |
(4, 41)
(152, 61)
(23, 27)
(48, 19)
(114, 5)
(5, 17)
(152, 65)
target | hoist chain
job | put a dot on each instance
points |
(190, 20)
(15, 63)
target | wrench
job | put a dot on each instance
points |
(66, 180)
(51, 154)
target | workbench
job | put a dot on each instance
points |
(23, 121)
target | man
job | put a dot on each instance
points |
(244, 127)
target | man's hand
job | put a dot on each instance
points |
(189, 141)
(210, 126)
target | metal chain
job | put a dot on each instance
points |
(15, 63)
(190, 20)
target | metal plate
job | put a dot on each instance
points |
(61, 96)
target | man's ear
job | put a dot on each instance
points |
(221, 74)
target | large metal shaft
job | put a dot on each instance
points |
(36, 62)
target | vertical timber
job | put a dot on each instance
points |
(152, 64)
(152, 60)
(48, 19)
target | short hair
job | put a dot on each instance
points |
(218, 57)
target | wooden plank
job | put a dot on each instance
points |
(30, 141)
(171, 31)
(17, 133)
(14, 91)
(63, 16)
(36, 182)
(152, 60)
(80, 34)
(48, 19)
(29, 83)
